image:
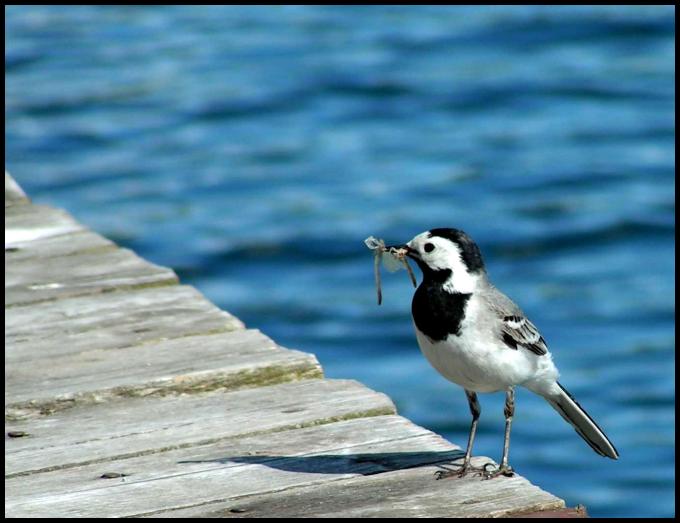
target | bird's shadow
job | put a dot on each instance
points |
(364, 464)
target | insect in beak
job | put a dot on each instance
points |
(396, 253)
(403, 250)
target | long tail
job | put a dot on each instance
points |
(570, 410)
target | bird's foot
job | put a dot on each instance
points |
(503, 470)
(460, 471)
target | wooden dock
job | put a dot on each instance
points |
(128, 394)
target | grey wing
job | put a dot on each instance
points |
(515, 328)
(519, 331)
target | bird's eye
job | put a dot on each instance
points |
(428, 247)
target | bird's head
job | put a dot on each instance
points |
(447, 256)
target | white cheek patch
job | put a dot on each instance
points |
(446, 256)
(460, 281)
(438, 261)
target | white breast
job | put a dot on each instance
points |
(479, 361)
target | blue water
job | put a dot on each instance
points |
(254, 148)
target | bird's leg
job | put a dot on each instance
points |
(463, 469)
(505, 469)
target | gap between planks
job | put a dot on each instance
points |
(137, 426)
(364, 466)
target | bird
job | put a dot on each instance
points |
(478, 338)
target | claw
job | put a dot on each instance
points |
(503, 470)
(461, 471)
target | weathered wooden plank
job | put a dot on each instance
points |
(303, 448)
(223, 361)
(320, 453)
(360, 468)
(408, 493)
(59, 245)
(579, 511)
(215, 475)
(27, 223)
(72, 325)
(136, 426)
(13, 193)
(36, 279)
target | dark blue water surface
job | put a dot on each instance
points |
(254, 148)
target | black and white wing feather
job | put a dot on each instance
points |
(518, 331)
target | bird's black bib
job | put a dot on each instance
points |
(436, 312)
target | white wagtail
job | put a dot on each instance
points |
(476, 337)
